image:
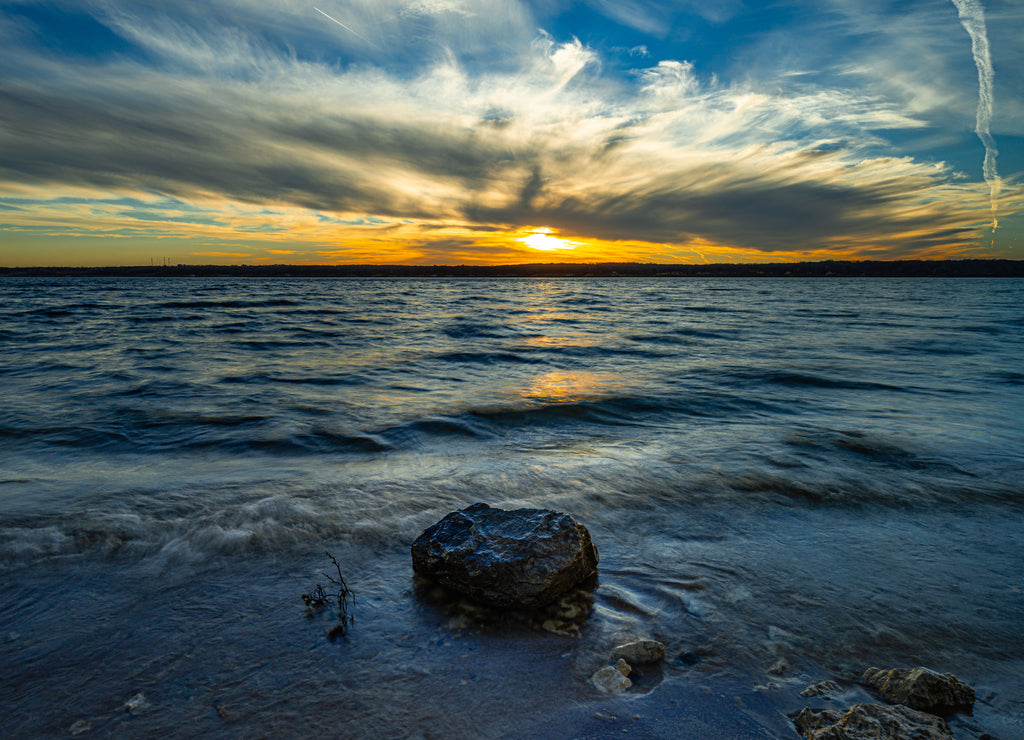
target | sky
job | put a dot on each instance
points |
(509, 131)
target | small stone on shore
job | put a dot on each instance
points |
(872, 722)
(920, 688)
(613, 679)
(640, 652)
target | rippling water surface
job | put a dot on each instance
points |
(791, 479)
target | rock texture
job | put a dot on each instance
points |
(821, 688)
(920, 688)
(524, 558)
(640, 652)
(872, 722)
(612, 678)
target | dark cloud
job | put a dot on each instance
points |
(262, 152)
(746, 210)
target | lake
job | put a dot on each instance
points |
(786, 479)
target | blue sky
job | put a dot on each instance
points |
(461, 131)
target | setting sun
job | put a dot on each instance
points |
(542, 240)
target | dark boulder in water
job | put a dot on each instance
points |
(920, 688)
(524, 558)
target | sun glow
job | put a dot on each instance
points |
(542, 240)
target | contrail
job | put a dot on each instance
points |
(972, 16)
(349, 29)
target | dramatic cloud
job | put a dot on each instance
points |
(452, 130)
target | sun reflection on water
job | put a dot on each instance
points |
(568, 386)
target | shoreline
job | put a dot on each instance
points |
(222, 646)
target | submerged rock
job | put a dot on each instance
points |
(687, 659)
(137, 704)
(524, 558)
(613, 678)
(920, 688)
(872, 722)
(640, 652)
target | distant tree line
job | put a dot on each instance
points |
(829, 268)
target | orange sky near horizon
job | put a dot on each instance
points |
(292, 236)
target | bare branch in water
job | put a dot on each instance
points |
(317, 599)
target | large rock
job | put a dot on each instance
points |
(872, 722)
(521, 558)
(920, 688)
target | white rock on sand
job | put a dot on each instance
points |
(613, 678)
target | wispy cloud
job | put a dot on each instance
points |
(972, 16)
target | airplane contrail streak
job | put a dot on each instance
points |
(342, 25)
(972, 17)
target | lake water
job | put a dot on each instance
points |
(789, 479)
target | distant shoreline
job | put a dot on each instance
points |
(902, 268)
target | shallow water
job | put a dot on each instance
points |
(794, 479)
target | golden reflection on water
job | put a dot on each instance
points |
(565, 340)
(568, 386)
(544, 322)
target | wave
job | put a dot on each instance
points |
(582, 300)
(549, 414)
(434, 431)
(700, 308)
(828, 314)
(229, 303)
(820, 381)
(983, 329)
(314, 442)
(96, 437)
(165, 318)
(1007, 376)
(154, 389)
(470, 330)
(857, 492)
(941, 347)
(48, 312)
(298, 343)
(628, 410)
(154, 423)
(263, 379)
(879, 450)
(485, 358)
(686, 335)
(194, 524)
